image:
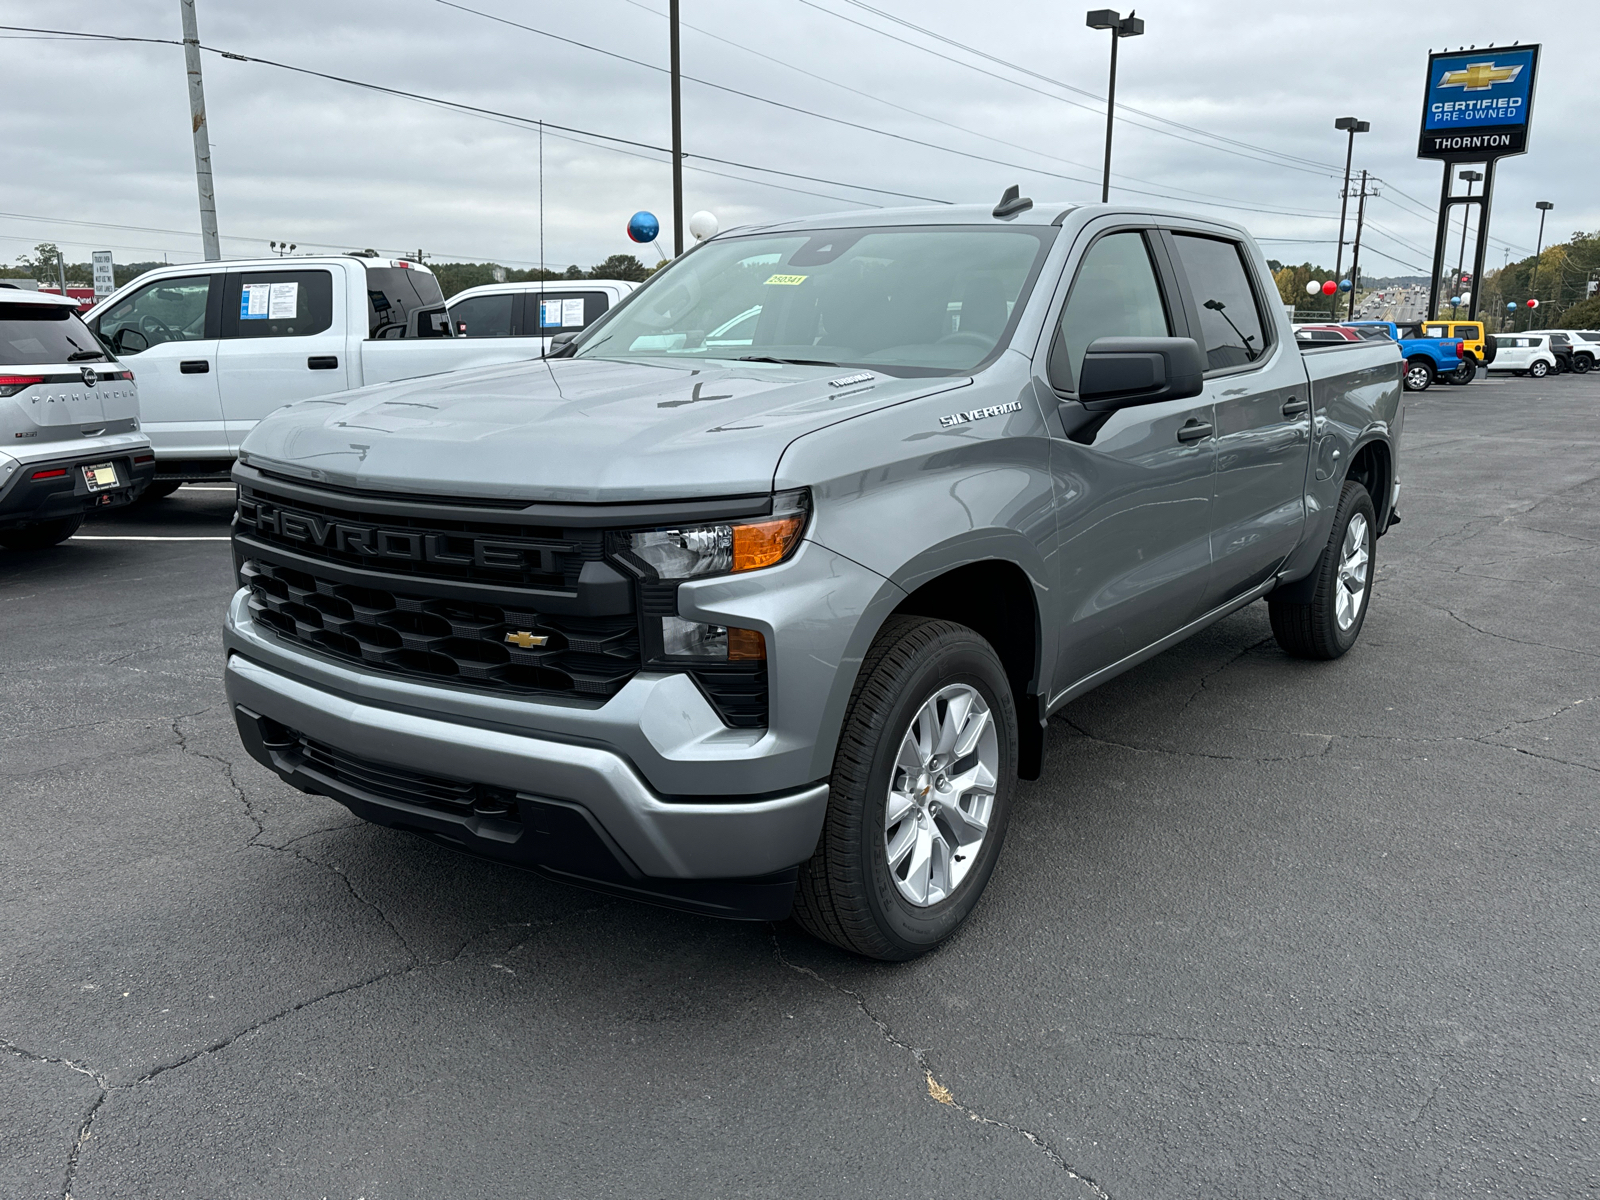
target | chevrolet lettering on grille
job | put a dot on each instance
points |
(408, 545)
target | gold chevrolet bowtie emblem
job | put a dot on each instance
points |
(526, 640)
(1480, 77)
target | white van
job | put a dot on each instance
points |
(217, 346)
(540, 309)
(1524, 354)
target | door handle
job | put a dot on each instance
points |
(1296, 407)
(1193, 430)
(194, 366)
(323, 362)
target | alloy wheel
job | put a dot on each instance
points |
(941, 794)
(1350, 585)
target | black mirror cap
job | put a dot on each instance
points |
(561, 344)
(1122, 372)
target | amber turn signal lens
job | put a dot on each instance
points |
(765, 542)
(745, 645)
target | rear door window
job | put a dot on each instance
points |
(1115, 294)
(484, 316)
(1231, 327)
(395, 296)
(277, 304)
(169, 310)
(549, 313)
(44, 334)
(1465, 332)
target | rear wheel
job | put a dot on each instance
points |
(919, 796)
(1330, 624)
(1419, 375)
(1464, 374)
(41, 536)
(1581, 363)
(1539, 370)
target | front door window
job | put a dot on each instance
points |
(170, 310)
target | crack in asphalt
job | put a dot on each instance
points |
(1490, 633)
(1210, 675)
(86, 1121)
(937, 1091)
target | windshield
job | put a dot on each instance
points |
(41, 334)
(937, 299)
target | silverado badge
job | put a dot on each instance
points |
(525, 639)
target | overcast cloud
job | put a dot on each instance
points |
(97, 132)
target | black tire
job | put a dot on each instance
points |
(1464, 374)
(1581, 363)
(1539, 370)
(158, 489)
(1419, 375)
(1312, 630)
(846, 895)
(41, 536)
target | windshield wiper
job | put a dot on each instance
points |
(788, 362)
(80, 355)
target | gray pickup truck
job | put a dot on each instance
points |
(756, 599)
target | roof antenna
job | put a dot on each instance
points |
(1012, 203)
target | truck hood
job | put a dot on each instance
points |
(572, 430)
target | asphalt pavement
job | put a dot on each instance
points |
(1264, 928)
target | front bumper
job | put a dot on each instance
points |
(580, 813)
(25, 500)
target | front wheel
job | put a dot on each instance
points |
(41, 536)
(1419, 375)
(1539, 370)
(919, 796)
(1330, 624)
(1464, 374)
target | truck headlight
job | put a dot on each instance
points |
(700, 550)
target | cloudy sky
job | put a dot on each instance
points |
(98, 132)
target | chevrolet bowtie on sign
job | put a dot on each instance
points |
(1478, 104)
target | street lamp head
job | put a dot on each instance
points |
(1104, 18)
(1544, 204)
(1471, 176)
(1131, 26)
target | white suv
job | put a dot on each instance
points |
(1524, 354)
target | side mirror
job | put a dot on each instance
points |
(561, 345)
(1122, 372)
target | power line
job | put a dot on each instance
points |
(888, 16)
(1048, 95)
(480, 111)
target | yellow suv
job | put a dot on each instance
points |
(1477, 351)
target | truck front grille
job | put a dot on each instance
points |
(409, 787)
(487, 645)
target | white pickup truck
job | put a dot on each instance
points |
(217, 346)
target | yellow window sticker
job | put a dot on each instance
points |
(787, 280)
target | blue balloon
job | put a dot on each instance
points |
(1344, 285)
(643, 226)
(1511, 307)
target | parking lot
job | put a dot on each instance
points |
(1265, 927)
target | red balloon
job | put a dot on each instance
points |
(1533, 304)
(1329, 288)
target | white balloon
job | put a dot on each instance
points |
(1313, 288)
(703, 225)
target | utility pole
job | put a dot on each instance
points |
(677, 137)
(1120, 27)
(202, 139)
(1352, 127)
(1355, 258)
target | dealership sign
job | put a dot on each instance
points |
(1478, 104)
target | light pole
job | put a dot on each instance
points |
(677, 137)
(1121, 27)
(1471, 177)
(209, 245)
(1353, 127)
(1544, 206)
